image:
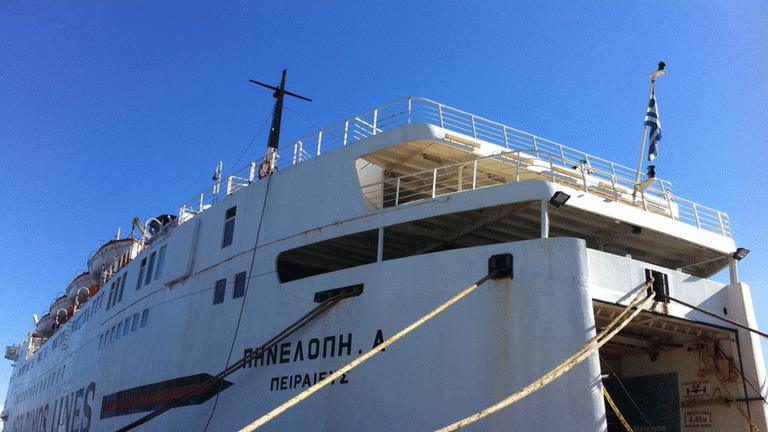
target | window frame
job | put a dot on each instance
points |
(238, 288)
(160, 262)
(135, 322)
(111, 294)
(144, 318)
(122, 288)
(142, 268)
(126, 326)
(150, 268)
(219, 291)
(228, 234)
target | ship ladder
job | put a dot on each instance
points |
(642, 299)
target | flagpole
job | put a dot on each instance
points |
(644, 135)
(659, 72)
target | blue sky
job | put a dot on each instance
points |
(110, 110)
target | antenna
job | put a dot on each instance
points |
(268, 167)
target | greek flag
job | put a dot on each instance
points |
(654, 124)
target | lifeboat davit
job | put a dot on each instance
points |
(80, 289)
(44, 326)
(60, 309)
(111, 256)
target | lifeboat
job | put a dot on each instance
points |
(44, 326)
(111, 257)
(60, 309)
(79, 290)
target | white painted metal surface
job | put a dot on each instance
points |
(503, 336)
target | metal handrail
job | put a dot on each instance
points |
(413, 110)
(439, 181)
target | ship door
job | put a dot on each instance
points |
(649, 402)
(668, 374)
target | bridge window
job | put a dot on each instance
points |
(144, 318)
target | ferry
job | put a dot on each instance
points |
(283, 272)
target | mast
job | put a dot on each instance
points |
(270, 159)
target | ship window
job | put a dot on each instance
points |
(327, 256)
(122, 288)
(119, 331)
(229, 227)
(151, 265)
(218, 291)
(141, 272)
(239, 289)
(126, 326)
(160, 262)
(111, 295)
(101, 340)
(135, 323)
(144, 317)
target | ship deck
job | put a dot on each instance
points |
(463, 152)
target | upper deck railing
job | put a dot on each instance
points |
(413, 110)
(515, 166)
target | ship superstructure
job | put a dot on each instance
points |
(407, 202)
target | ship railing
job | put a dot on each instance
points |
(520, 165)
(221, 188)
(415, 110)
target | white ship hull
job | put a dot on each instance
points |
(501, 337)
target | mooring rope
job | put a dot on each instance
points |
(586, 350)
(616, 411)
(720, 317)
(635, 306)
(215, 380)
(261, 421)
